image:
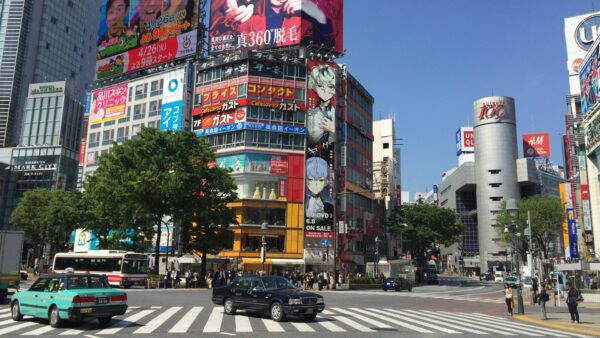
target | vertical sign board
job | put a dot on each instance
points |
(172, 101)
(572, 226)
(565, 188)
(320, 142)
(585, 204)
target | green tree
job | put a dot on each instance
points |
(547, 216)
(48, 217)
(422, 225)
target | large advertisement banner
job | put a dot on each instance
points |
(135, 34)
(580, 33)
(536, 145)
(172, 101)
(588, 82)
(109, 104)
(254, 163)
(572, 226)
(256, 24)
(320, 140)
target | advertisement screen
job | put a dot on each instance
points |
(320, 140)
(536, 145)
(219, 119)
(135, 34)
(580, 33)
(172, 101)
(256, 24)
(254, 163)
(109, 104)
(588, 82)
(465, 142)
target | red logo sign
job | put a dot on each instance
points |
(492, 110)
(536, 145)
(585, 192)
(468, 139)
(279, 165)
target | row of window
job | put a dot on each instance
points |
(141, 90)
(122, 134)
(252, 67)
(358, 179)
(255, 138)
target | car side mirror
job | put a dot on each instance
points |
(257, 289)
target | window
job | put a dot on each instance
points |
(47, 45)
(156, 87)
(140, 91)
(155, 107)
(386, 145)
(53, 20)
(67, 29)
(494, 171)
(122, 134)
(139, 111)
(107, 136)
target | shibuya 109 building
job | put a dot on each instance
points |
(294, 127)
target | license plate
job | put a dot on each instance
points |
(308, 311)
(86, 310)
(102, 300)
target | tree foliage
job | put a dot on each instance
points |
(547, 215)
(48, 217)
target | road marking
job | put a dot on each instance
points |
(401, 323)
(506, 326)
(429, 318)
(303, 327)
(327, 312)
(272, 326)
(16, 327)
(528, 326)
(363, 318)
(353, 324)
(6, 322)
(126, 322)
(242, 324)
(5, 310)
(39, 331)
(187, 320)
(6, 315)
(158, 321)
(214, 320)
(90, 336)
(329, 325)
(476, 325)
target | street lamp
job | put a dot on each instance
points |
(263, 249)
(513, 210)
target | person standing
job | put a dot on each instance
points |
(572, 298)
(542, 298)
(166, 278)
(508, 295)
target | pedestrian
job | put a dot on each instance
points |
(542, 298)
(573, 298)
(209, 279)
(587, 281)
(174, 279)
(36, 266)
(188, 278)
(166, 278)
(195, 278)
(508, 295)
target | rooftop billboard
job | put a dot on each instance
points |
(580, 33)
(136, 34)
(465, 141)
(257, 24)
(536, 145)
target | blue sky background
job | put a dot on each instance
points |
(427, 61)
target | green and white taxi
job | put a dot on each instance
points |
(63, 297)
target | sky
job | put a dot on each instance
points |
(426, 61)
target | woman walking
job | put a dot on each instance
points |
(508, 295)
(542, 299)
(572, 297)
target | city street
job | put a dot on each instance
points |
(455, 307)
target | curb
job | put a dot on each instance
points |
(564, 326)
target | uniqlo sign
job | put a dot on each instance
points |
(536, 145)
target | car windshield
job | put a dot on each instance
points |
(86, 282)
(275, 283)
(135, 266)
(527, 280)
(511, 279)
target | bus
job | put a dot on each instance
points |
(121, 268)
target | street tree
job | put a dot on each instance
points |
(48, 217)
(547, 216)
(422, 225)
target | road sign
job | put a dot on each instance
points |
(324, 242)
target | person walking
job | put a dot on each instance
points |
(508, 295)
(573, 296)
(166, 278)
(542, 298)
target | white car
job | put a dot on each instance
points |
(499, 277)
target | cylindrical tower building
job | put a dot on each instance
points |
(494, 127)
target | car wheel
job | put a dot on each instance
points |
(397, 289)
(104, 320)
(384, 289)
(410, 289)
(16, 312)
(228, 306)
(311, 316)
(277, 312)
(54, 317)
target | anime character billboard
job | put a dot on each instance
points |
(320, 122)
(256, 24)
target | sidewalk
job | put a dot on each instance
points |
(590, 322)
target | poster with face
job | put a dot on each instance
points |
(320, 124)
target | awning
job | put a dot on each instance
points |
(288, 261)
(254, 260)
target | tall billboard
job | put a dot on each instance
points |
(465, 141)
(109, 104)
(536, 145)
(256, 24)
(319, 196)
(580, 33)
(135, 34)
(172, 100)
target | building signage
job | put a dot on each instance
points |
(564, 189)
(585, 206)
(234, 104)
(219, 119)
(588, 80)
(572, 226)
(580, 33)
(218, 95)
(43, 89)
(35, 165)
(492, 110)
(465, 140)
(109, 104)
(270, 91)
(254, 163)
(536, 145)
(320, 143)
(279, 165)
(252, 126)
(172, 101)
(592, 135)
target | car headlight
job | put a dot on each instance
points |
(320, 300)
(295, 301)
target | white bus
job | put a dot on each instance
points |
(121, 268)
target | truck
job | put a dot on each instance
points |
(11, 247)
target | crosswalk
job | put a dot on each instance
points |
(209, 319)
(495, 298)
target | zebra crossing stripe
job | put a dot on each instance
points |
(303, 327)
(401, 323)
(353, 324)
(6, 315)
(272, 326)
(329, 325)
(158, 321)
(524, 328)
(39, 332)
(551, 331)
(214, 320)
(363, 318)
(431, 319)
(6, 322)
(506, 326)
(186, 321)
(16, 327)
(126, 322)
(5, 310)
(477, 325)
(327, 312)
(242, 324)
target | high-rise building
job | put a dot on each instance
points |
(43, 41)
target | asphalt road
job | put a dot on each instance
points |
(457, 306)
